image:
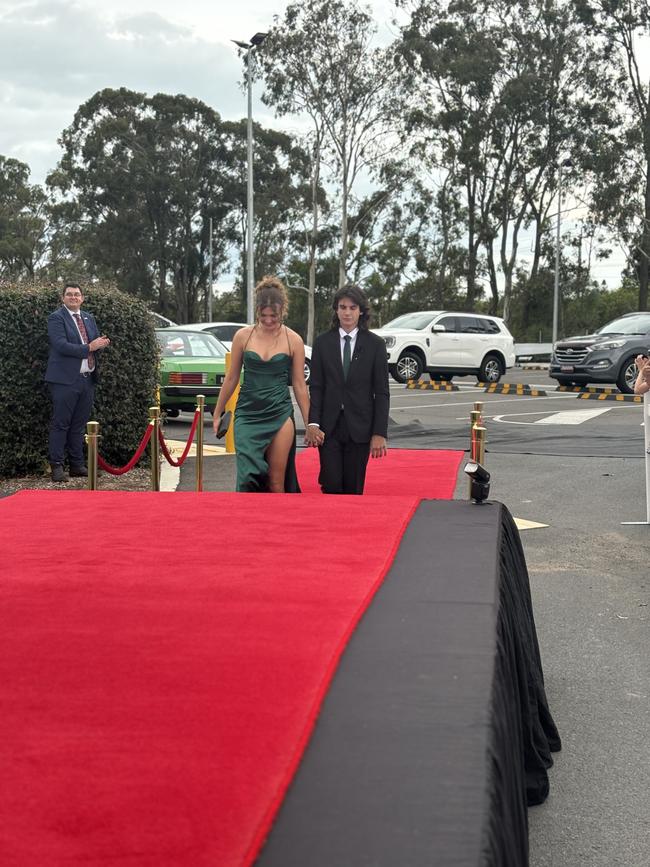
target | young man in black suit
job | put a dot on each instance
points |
(348, 386)
(71, 375)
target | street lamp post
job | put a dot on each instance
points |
(210, 277)
(250, 259)
(556, 286)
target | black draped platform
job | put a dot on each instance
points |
(436, 733)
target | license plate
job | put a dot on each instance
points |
(566, 368)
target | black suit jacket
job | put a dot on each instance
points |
(364, 396)
(67, 348)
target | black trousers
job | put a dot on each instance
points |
(71, 409)
(342, 462)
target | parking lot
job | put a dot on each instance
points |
(577, 468)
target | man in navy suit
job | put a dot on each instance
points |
(71, 375)
(349, 395)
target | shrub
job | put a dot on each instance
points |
(128, 374)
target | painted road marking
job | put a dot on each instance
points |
(571, 416)
(523, 524)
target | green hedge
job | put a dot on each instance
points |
(128, 374)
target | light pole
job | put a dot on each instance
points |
(250, 277)
(210, 278)
(556, 286)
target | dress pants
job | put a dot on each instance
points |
(342, 462)
(71, 409)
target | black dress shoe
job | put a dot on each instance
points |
(57, 473)
(79, 471)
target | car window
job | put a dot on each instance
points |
(187, 344)
(224, 332)
(469, 325)
(200, 345)
(639, 324)
(415, 321)
(449, 322)
(489, 325)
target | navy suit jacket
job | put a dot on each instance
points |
(364, 394)
(67, 348)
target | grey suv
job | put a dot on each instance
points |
(606, 356)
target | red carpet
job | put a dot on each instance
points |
(429, 474)
(162, 661)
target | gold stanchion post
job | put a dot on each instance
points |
(232, 403)
(474, 422)
(481, 436)
(154, 416)
(478, 407)
(200, 405)
(92, 435)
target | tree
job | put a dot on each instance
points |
(139, 178)
(318, 61)
(492, 89)
(617, 139)
(22, 221)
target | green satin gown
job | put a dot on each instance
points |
(263, 406)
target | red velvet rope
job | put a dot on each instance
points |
(118, 471)
(188, 444)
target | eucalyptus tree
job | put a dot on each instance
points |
(492, 101)
(23, 221)
(318, 62)
(138, 180)
(617, 125)
(284, 197)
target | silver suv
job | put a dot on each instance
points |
(447, 344)
(605, 356)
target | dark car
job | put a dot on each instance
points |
(606, 356)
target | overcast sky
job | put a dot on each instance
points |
(55, 54)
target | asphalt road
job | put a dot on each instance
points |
(591, 593)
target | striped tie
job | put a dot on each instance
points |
(84, 337)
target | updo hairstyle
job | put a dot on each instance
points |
(271, 292)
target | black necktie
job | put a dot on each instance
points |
(347, 356)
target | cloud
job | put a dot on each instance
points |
(56, 55)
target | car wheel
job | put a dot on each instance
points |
(491, 369)
(627, 376)
(307, 370)
(409, 366)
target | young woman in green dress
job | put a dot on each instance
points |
(272, 356)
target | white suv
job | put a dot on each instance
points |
(447, 344)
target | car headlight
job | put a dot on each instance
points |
(389, 341)
(612, 344)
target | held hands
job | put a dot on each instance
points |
(378, 446)
(98, 343)
(314, 436)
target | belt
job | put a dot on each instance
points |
(85, 374)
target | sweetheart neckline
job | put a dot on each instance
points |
(265, 360)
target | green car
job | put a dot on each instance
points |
(192, 362)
